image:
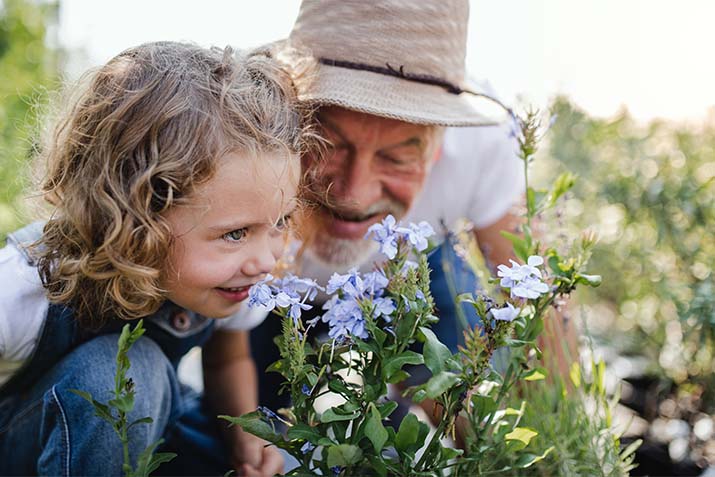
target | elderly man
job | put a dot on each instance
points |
(394, 106)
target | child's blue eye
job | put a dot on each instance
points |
(235, 235)
(283, 222)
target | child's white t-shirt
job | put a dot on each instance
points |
(23, 309)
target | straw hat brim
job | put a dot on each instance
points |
(391, 97)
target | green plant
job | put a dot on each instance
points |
(116, 410)
(375, 318)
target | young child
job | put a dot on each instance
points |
(172, 178)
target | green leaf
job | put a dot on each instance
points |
(449, 453)
(303, 431)
(312, 379)
(337, 385)
(332, 416)
(374, 430)
(378, 465)
(484, 405)
(143, 420)
(278, 366)
(535, 374)
(253, 423)
(386, 408)
(148, 463)
(440, 383)
(590, 280)
(521, 434)
(395, 363)
(527, 460)
(380, 336)
(530, 201)
(521, 248)
(575, 374)
(367, 346)
(100, 410)
(398, 376)
(632, 447)
(562, 184)
(407, 433)
(124, 403)
(436, 354)
(419, 396)
(343, 455)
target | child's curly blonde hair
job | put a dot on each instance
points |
(149, 126)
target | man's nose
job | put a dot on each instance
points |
(357, 183)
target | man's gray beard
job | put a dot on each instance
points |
(343, 253)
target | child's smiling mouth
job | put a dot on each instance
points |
(235, 294)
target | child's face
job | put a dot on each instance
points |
(230, 233)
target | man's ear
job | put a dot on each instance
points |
(436, 143)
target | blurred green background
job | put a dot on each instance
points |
(28, 73)
(646, 188)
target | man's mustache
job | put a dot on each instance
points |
(350, 210)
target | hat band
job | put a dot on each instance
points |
(398, 73)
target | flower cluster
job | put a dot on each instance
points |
(388, 235)
(289, 292)
(354, 292)
(524, 281)
(354, 295)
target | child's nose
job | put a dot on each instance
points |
(263, 260)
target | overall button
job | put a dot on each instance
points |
(181, 321)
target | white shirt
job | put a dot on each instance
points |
(477, 177)
(23, 309)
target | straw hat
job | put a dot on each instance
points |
(400, 59)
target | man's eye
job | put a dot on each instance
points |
(235, 235)
(396, 161)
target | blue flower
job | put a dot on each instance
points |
(284, 293)
(375, 282)
(307, 447)
(507, 313)
(384, 307)
(351, 283)
(345, 319)
(296, 309)
(268, 413)
(523, 280)
(530, 288)
(305, 389)
(336, 469)
(291, 283)
(261, 294)
(417, 234)
(386, 235)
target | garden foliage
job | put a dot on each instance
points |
(650, 191)
(374, 320)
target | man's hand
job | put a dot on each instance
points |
(252, 457)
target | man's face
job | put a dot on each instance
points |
(373, 167)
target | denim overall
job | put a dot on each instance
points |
(47, 430)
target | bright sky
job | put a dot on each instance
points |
(651, 55)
